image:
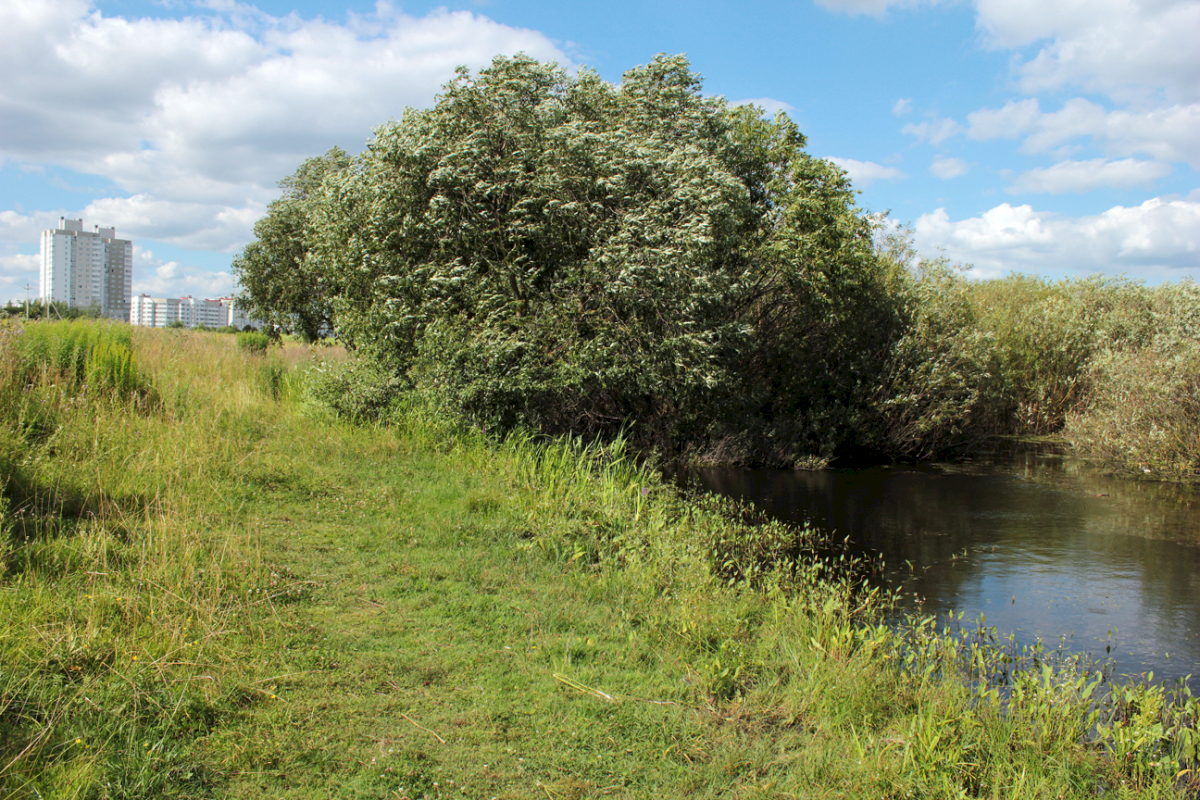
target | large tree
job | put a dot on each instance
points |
(280, 284)
(555, 250)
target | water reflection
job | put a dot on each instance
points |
(1037, 542)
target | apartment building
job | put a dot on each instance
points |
(87, 269)
(159, 312)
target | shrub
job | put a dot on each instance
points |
(1144, 414)
(357, 390)
(553, 251)
(1046, 338)
(930, 395)
(254, 342)
(80, 354)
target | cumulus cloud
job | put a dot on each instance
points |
(1084, 176)
(18, 270)
(16, 227)
(198, 118)
(769, 105)
(1169, 133)
(194, 226)
(159, 278)
(947, 168)
(864, 173)
(135, 97)
(902, 106)
(1159, 239)
(934, 131)
(874, 8)
(1126, 49)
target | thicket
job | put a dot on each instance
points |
(558, 253)
(1109, 364)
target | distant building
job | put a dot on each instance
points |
(159, 312)
(87, 269)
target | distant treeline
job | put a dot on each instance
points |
(558, 253)
(39, 309)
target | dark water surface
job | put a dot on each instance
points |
(1039, 543)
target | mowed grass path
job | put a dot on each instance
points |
(438, 654)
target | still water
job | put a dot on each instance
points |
(1033, 540)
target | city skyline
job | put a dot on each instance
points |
(1051, 138)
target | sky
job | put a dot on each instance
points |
(1055, 137)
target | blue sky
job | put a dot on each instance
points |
(1060, 137)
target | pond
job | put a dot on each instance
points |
(1035, 541)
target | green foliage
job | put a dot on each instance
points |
(357, 390)
(255, 601)
(1111, 364)
(554, 251)
(281, 284)
(1144, 413)
(931, 394)
(71, 357)
(1046, 336)
(253, 342)
(557, 253)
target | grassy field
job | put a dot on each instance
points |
(211, 587)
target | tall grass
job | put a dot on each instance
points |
(124, 572)
(1108, 363)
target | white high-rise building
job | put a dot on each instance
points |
(87, 269)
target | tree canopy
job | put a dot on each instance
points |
(280, 285)
(556, 251)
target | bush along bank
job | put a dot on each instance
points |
(292, 606)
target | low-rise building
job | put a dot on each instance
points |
(160, 312)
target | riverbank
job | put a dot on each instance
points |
(213, 588)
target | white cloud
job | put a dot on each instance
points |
(27, 228)
(1169, 133)
(18, 270)
(769, 105)
(1158, 239)
(1126, 49)
(198, 118)
(874, 8)
(902, 106)
(194, 226)
(1084, 176)
(1017, 118)
(947, 168)
(864, 173)
(935, 131)
(159, 278)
